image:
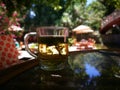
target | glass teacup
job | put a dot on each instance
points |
(52, 47)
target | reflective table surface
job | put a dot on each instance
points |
(96, 70)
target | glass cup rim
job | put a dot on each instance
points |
(52, 27)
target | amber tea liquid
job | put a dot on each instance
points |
(52, 52)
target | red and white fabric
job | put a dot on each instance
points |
(8, 51)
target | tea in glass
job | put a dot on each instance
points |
(52, 48)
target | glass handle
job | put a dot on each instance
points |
(26, 37)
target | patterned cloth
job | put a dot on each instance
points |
(8, 51)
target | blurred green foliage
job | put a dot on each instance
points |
(69, 13)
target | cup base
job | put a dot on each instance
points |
(54, 65)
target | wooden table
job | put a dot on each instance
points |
(91, 70)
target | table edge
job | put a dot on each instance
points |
(8, 73)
